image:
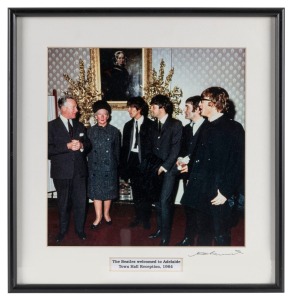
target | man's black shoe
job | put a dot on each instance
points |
(156, 234)
(185, 242)
(59, 237)
(164, 242)
(81, 235)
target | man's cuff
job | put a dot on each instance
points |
(164, 169)
(81, 149)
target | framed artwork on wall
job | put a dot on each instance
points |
(258, 266)
(121, 73)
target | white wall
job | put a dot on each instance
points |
(196, 69)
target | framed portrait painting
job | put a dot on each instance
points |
(46, 61)
(121, 73)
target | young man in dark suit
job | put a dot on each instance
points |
(217, 173)
(190, 137)
(165, 142)
(135, 147)
(67, 144)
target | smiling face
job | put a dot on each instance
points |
(191, 113)
(102, 116)
(207, 108)
(134, 113)
(188, 111)
(214, 100)
(155, 111)
(69, 109)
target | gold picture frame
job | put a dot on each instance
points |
(95, 59)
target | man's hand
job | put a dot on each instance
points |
(219, 199)
(184, 169)
(161, 170)
(182, 162)
(75, 145)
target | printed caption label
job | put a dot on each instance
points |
(146, 264)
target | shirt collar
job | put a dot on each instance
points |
(216, 116)
(163, 120)
(139, 121)
(65, 121)
(198, 122)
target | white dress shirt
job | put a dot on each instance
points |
(196, 125)
(65, 122)
(139, 122)
(163, 120)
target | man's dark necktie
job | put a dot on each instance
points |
(136, 135)
(159, 127)
(192, 125)
(70, 129)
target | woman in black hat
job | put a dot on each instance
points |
(103, 163)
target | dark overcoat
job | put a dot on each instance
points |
(189, 144)
(218, 164)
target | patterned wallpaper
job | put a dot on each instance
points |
(199, 68)
(195, 70)
(64, 60)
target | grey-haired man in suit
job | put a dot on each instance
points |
(67, 145)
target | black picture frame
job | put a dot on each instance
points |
(278, 15)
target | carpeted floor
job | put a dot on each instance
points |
(119, 233)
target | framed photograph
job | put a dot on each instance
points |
(115, 68)
(197, 62)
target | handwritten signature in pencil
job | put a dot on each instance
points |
(215, 253)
